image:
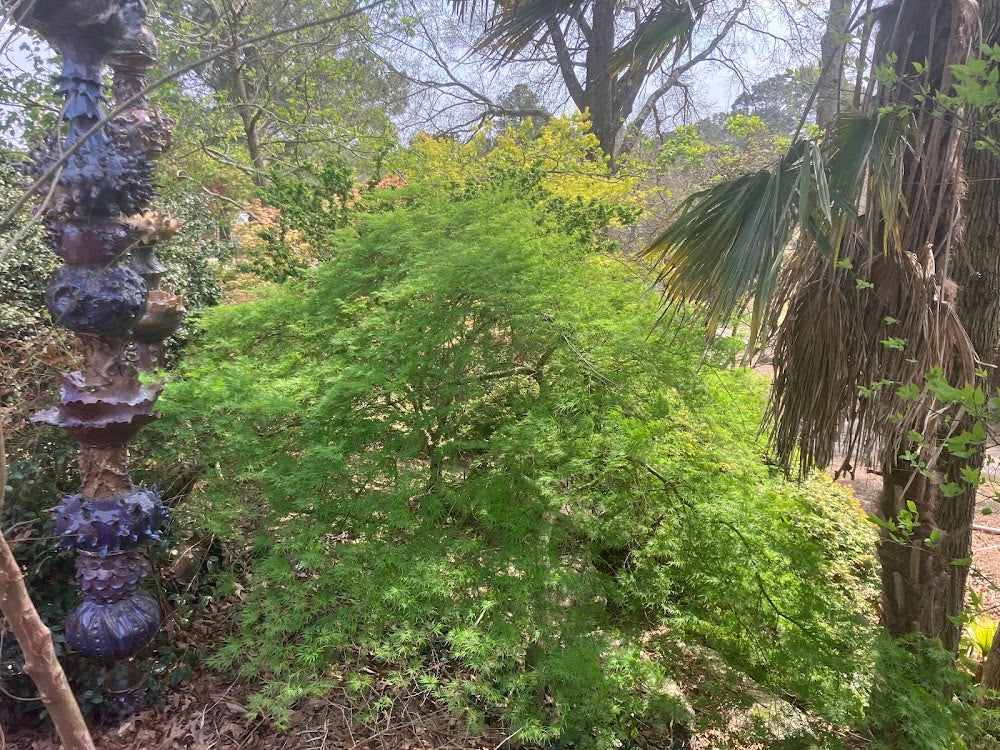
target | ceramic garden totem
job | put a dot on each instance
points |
(149, 137)
(101, 294)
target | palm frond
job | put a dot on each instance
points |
(724, 247)
(665, 30)
(726, 243)
(468, 8)
(514, 25)
(849, 144)
(894, 142)
(857, 314)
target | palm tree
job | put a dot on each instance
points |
(616, 46)
(844, 251)
(977, 269)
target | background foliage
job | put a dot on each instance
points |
(437, 438)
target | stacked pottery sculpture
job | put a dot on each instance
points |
(149, 137)
(102, 297)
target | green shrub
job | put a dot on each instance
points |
(920, 700)
(25, 268)
(456, 453)
(315, 202)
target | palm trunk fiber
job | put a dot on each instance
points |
(924, 583)
(977, 267)
(923, 589)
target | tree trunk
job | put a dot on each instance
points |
(976, 265)
(40, 661)
(249, 120)
(599, 88)
(955, 517)
(976, 270)
(923, 590)
(831, 63)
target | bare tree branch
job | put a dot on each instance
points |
(673, 79)
(566, 64)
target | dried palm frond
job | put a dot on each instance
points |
(844, 351)
(912, 329)
(813, 368)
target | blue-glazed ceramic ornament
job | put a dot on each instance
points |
(95, 243)
(99, 300)
(108, 579)
(109, 631)
(109, 524)
(98, 180)
(91, 174)
(102, 178)
(107, 414)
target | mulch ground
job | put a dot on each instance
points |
(209, 713)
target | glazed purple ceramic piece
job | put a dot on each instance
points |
(100, 300)
(109, 631)
(92, 176)
(92, 243)
(111, 578)
(164, 315)
(108, 525)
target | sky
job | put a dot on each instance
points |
(746, 58)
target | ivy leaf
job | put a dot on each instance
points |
(971, 475)
(951, 489)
